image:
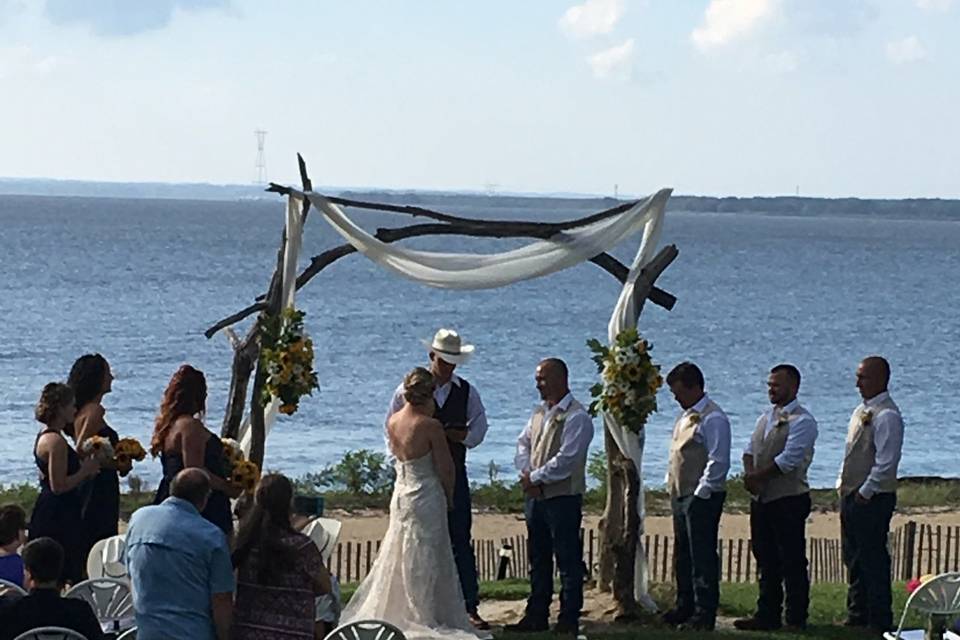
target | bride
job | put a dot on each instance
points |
(413, 583)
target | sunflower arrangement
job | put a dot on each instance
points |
(629, 380)
(287, 357)
(126, 452)
(240, 471)
(98, 448)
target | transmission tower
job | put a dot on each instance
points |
(261, 158)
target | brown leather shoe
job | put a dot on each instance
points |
(478, 623)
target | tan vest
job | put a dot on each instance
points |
(688, 458)
(861, 452)
(765, 449)
(545, 440)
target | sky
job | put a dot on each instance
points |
(830, 98)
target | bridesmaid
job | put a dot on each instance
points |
(56, 514)
(91, 379)
(181, 441)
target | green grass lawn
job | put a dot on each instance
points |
(827, 610)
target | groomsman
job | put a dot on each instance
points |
(464, 420)
(775, 463)
(868, 495)
(699, 462)
(552, 459)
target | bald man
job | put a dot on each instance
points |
(552, 459)
(868, 495)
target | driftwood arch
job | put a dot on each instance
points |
(620, 522)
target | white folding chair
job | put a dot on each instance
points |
(324, 532)
(366, 630)
(110, 598)
(940, 596)
(106, 558)
(51, 633)
(129, 634)
(10, 588)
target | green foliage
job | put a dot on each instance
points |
(361, 472)
(597, 468)
(23, 494)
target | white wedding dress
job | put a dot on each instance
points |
(414, 583)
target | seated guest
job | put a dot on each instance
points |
(279, 571)
(13, 535)
(43, 607)
(179, 566)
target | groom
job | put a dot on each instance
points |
(465, 422)
(551, 459)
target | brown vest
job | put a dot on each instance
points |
(766, 448)
(545, 440)
(861, 452)
(688, 458)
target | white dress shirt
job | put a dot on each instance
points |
(713, 432)
(888, 440)
(577, 434)
(476, 414)
(800, 439)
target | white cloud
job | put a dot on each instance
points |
(905, 51)
(22, 60)
(727, 20)
(613, 61)
(593, 17)
(934, 5)
(782, 62)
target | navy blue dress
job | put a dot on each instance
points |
(101, 501)
(57, 516)
(218, 507)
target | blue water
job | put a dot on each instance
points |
(139, 281)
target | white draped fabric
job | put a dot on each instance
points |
(631, 445)
(291, 255)
(487, 271)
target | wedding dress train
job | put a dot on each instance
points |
(413, 583)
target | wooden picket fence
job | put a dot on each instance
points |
(916, 549)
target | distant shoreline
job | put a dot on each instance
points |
(936, 208)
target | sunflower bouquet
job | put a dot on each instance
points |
(629, 380)
(287, 356)
(98, 448)
(245, 475)
(126, 452)
(240, 471)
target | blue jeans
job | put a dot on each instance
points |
(553, 529)
(863, 535)
(696, 522)
(459, 523)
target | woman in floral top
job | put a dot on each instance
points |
(279, 571)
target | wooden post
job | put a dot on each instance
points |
(619, 526)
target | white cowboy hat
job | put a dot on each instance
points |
(448, 347)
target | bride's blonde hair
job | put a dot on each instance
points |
(418, 386)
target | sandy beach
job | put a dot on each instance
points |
(371, 525)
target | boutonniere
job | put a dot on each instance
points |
(694, 418)
(866, 418)
(559, 419)
(783, 420)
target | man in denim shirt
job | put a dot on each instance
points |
(179, 566)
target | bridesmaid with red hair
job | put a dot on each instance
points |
(181, 440)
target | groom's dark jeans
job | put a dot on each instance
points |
(459, 522)
(553, 528)
(696, 522)
(863, 537)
